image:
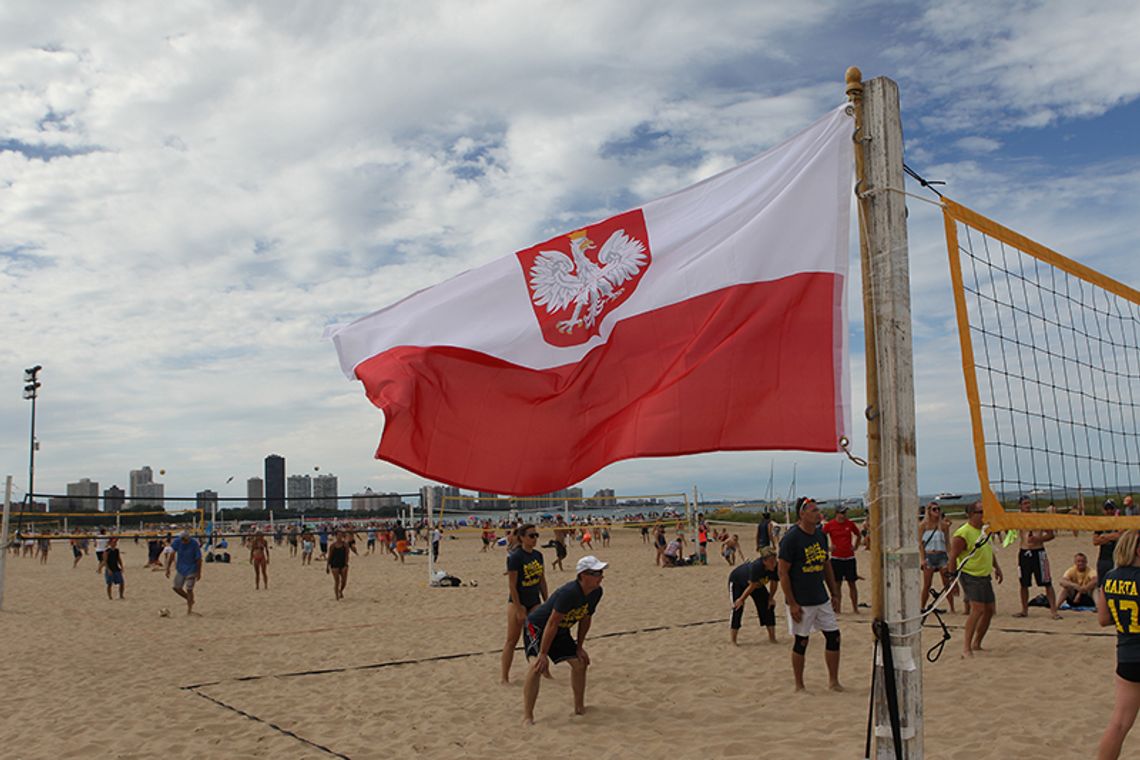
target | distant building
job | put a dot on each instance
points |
(83, 496)
(433, 496)
(150, 495)
(114, 498)
(299, 489)
(207, 501)
(325, 492)
(139, 478)
(275, 482)
(604, 497)
(488, 500)
(255, 493)
(369, 501)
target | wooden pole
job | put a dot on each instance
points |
(892, 473)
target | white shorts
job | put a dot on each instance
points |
(817, 617)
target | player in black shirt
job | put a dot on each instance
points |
(1118, 604)
(749, 580)
(547, 636)
(526, 589)
(112, 565)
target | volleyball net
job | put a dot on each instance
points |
(1051, 360)
(58, 526)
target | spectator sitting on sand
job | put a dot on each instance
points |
(1078, 583)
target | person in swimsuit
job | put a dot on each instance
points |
(526, 589)
(336, 563)
(1118, 604)
(659, 543)
(350, 541)
(307, 546)
(933, 542)
(292, 540)
(259, 558)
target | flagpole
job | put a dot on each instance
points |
(891, 463)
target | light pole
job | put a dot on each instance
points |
(31, 391)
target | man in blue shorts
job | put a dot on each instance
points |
(547, 637)
(187, 561)
(112, 564)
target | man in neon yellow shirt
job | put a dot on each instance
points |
(977, 564)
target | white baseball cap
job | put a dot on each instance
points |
(590, 562)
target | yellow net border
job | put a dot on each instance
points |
(995, 514)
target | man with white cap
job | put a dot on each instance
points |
(546, 635)
(187, 561)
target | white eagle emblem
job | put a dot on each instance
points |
(558, 280)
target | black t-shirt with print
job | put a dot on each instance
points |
(752, 572)
(807, 553)
(1122, 596)
(528, 583)
(571, 602)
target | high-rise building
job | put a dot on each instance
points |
(207, 501)
(139, 478)
(150, 495)
(325, 492)
(488, 500)
(83, 496)
(255, 493)
(299, 489)
(275, 482)
(113, 499)
(370, 501)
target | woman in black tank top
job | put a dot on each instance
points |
(337, 564)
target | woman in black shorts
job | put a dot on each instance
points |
(1118, 604)
(526, 589)
(336, 563)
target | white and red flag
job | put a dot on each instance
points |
(711, 319)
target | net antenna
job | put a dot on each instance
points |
(1051, 359)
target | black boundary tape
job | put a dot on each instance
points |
(274, 726)
(437, 658)
(195, 688)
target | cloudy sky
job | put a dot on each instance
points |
(191, 192)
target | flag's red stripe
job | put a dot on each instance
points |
(748, 367)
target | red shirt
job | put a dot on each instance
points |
(842, 536)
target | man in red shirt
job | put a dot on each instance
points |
(844, 536)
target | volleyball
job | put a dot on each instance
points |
(164, 612)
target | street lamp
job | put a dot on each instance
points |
(31, 392)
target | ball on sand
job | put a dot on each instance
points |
(164, 612)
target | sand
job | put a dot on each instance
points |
(86, 677)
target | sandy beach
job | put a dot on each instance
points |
(397, 669)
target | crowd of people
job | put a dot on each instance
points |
(812, 564)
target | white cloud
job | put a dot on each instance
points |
(226, 178)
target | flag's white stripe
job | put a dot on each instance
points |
(781, 213)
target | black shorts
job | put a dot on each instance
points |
(1033, 564)
(1102, 568)
(759, 596)
(1129, 671)
(562, 648)
(844, 569)
(978, 589)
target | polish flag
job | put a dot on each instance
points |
(711, 319)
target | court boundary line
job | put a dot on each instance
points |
(274, 726)
(434, 658)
